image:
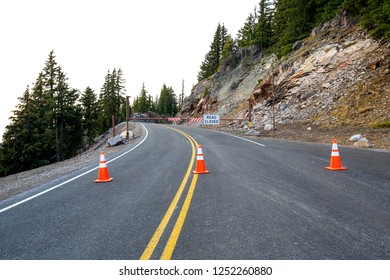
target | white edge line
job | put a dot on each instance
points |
(72, 179)
(250, 141)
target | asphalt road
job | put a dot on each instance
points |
(269, 201)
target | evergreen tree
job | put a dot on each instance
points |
(42, 122)
(263, 26)
(119, 85)
(375, 15)
(90, 114)
(223, 37)
(67, 118)
(46, 125)
(293, 21)
(151, 104)
(167, 103)
(3, 167)
(112, 96)
(246, 35)
(17, 156)
(210, 65)
(325, 10)
(142, 102)
(215, 50)
(28, 140)
(213, 58)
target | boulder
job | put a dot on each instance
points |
(362, 143)
(115, 141)
(283, 107)
(268, 127)
(297, 45)
(252, 132)
(356, 137)
(131, 134)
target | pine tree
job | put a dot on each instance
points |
(90, 115)
(142, 102)
(136, 105)
(119, 88)
(325, 10)
(227, 49)
(246, 35)
(112, 96)
(60, 101)
(121, 95)
(213, 58)
(375, 15)
(3, 166)
(17, 156)
(223, 35)
(293, 21)
(46, 124)
(216, 48)
(263, 26)
(167, 103)
(28, 140)
(67, 118)
(42, 116)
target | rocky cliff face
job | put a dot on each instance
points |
(337, 76)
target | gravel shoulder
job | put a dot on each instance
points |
(378, 138)
(23, 181)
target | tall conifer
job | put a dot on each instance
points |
(90, 114)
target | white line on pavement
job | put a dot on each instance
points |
(74, 178)
(250, 141)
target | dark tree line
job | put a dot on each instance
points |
(53, 121)
(112, 99)
(275, 25)
(165, 105)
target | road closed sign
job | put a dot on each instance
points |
(210, 119)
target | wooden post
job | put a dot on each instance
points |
(127, 117)
(113, 125)
(250, 106)
(273, 106)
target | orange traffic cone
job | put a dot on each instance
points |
(200, 167)
(103, 171)
(335, 161)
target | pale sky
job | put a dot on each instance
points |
(152, 41)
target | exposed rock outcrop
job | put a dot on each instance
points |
(337, 76)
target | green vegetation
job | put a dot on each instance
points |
(165, 105)
(381, 125)
(53, 121)
(112, 100)
(275, 25)
(221, 47)
(46, 124)
(374, 14)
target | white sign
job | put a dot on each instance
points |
(210, 119)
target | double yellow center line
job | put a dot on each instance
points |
(171, 243)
